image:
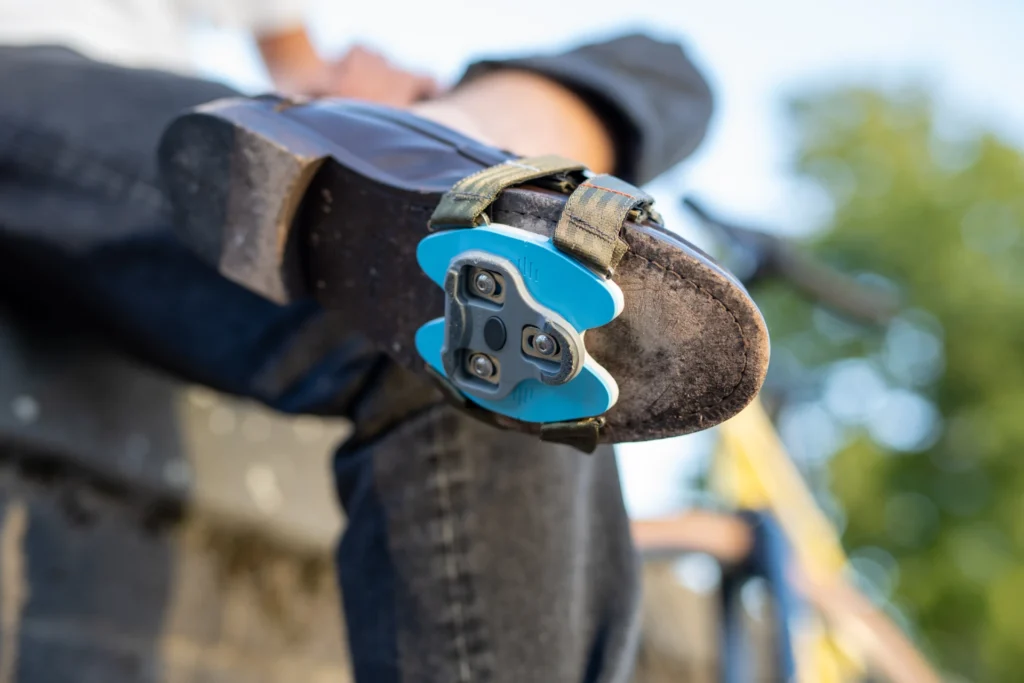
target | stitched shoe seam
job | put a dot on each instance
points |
(739, 326)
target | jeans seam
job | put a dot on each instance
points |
(462, 616)
(55, 157)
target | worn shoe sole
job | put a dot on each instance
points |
(289, 212)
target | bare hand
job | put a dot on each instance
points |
(363, 74)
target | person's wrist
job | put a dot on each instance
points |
(312, 80)
(530, 115)
(445, 113)
(293, 64)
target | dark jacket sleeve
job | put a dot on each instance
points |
(653, 100)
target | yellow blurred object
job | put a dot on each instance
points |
(753, 471)
(758, 474)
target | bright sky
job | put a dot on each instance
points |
(755, 54)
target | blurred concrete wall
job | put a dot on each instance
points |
(151, 531)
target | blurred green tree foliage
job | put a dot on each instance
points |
(930, 466)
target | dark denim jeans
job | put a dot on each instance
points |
(470, 554)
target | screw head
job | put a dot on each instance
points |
(545, 344)
(481, 365)
(484, 283)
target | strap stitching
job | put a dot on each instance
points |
(638, 200)
(590, 229)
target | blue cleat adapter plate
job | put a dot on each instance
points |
(516, 309)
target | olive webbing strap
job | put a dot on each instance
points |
(593, 218)
(583, 434)
(469, 198)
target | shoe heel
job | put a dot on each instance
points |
(236, 174)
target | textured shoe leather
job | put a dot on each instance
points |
(414, 152)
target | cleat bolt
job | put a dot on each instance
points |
(485, 284)
(545, 345)
(481, 365)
